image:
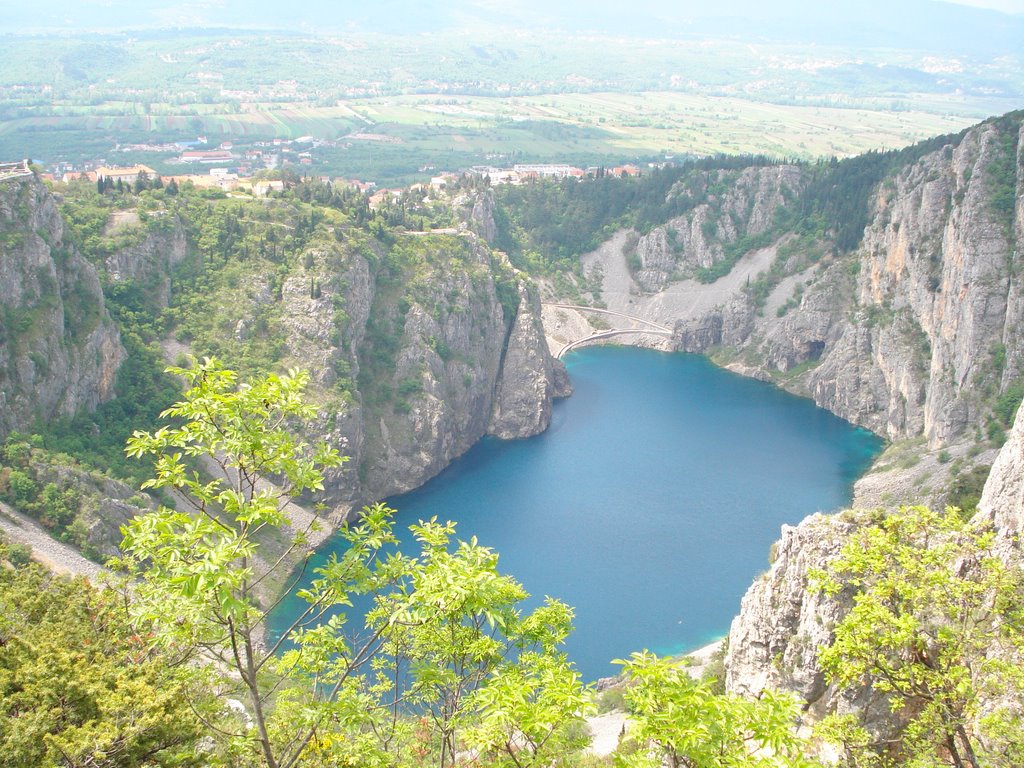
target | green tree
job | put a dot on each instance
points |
(529, 713)
(689, 726)
(440, 640)
(476, 662)
(198, 571)
(79, 687)
(936, 619)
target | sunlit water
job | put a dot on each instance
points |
(651, 502)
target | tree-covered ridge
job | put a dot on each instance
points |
(226, 296)
(73, 502)
(545, 225)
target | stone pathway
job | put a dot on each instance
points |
(46, 550)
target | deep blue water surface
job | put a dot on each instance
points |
(652, 501)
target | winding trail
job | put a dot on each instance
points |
(46, 550)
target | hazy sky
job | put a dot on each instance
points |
(1006, 6)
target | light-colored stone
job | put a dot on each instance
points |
(59, 348)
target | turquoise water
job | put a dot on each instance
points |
(651, 502)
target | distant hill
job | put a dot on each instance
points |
(940, 27)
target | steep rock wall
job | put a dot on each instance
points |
(414, 369)
(59, 348)
(901, 336)
(149, 264)
(782, 623)
(736, 205)
(913, 333)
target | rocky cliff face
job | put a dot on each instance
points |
(914, 332)
(59, 349)
(735, 205)
(530, 378)
(773, 642)
(149, 263)
(415, 363)
(1002, 500)
(418, 345)
(476, 210)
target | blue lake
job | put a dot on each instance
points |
(651, 502)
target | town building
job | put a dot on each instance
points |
(126, 175)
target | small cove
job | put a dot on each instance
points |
(651, 502)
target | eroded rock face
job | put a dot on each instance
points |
(773, 642)
(912, 335)
(415, 370)
(59, 348)
(530, 378)
(481, 218)
(149, 263)
(738, 205)
(916, 331)
(1002, 500)
(476, 210)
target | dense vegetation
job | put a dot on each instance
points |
(545, 225)
(32, 482)
(81, 686)
(240, 255)
(936, 625)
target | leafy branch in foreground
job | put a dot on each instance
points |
(444, 643)
(936, 626)
(681, 723)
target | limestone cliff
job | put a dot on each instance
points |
(476, 210)
(59, 348)
(914, 332)
(773, 642)
(530, 378)
(418, 348)
(903, 336)
(149, 263)
(1002, 500)
(730, 206)
(418, 344)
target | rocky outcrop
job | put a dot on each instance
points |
(149, 263)
(773, 643)
(1002, 500)
(482, 217)
(415, 365)
(59, 348)
(783, 621)
(476, 210)
(732, 205)
(530, 378)
(105, 505)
